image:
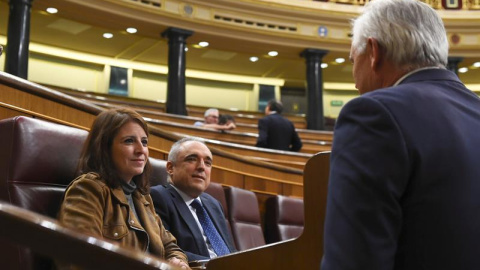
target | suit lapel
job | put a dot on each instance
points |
(186, 215)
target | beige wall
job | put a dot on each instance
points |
(146, 85)
(207, 93)
(65, 73)
(219, 94)
(85, 72)
(337, 95)
(2, 62)
(50, 70)
(74, 74)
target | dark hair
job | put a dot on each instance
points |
(97, 151)
(275, 106)
(224, 118)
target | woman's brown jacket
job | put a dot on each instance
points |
(93, 208)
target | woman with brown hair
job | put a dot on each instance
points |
(110, 199)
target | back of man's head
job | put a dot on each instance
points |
(275, 106)
(410, 32)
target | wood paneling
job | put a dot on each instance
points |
(41, 102)
(306, 251)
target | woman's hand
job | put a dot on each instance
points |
(177, 262)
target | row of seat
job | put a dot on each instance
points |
(284, 216)
(39, 159)
(235, 166)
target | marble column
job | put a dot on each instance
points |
(176, 101)
(315, 116)
(18, 38)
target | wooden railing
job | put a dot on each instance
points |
(230, 168)
(246, 121)
(309, 146)
(47, 237)
(250, 117)
(305, 134)
(306, 251)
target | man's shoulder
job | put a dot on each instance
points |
(160, 190)
(276, 117)
(209, 198)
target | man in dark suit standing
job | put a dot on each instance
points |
(276, 131)
(404, 187)
(189, 165)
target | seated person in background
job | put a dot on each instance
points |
(226, 119)
(404, 183)
(188, 167)
(111, 200)
(211, 121)
(276, 131)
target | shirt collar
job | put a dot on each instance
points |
(187, 199)
(399, 81)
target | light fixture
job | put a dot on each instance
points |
(186, 49)
(253, 59)
(123, 81)
(340, 60)
(203, 44)
(131, 30)
(108, 35)
(324, 65)
(476, 64)
(463, 69)
(273, 53)
(52, 10)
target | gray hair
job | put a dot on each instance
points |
(209, 111)
(410, 32)
(176, 147)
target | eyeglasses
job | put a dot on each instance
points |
(213, 116)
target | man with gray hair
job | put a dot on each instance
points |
(194, 217)
(211, 121)
(404, 186)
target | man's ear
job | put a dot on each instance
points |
(169, 167)
(375, 53)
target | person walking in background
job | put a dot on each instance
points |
(404, 186)
(276, 131)
(211, 121)
(184, 206)
(110, 199)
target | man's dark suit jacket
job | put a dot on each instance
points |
(178, 219)
(277, 132)
(404, 190)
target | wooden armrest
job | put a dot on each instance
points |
(47, 237)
